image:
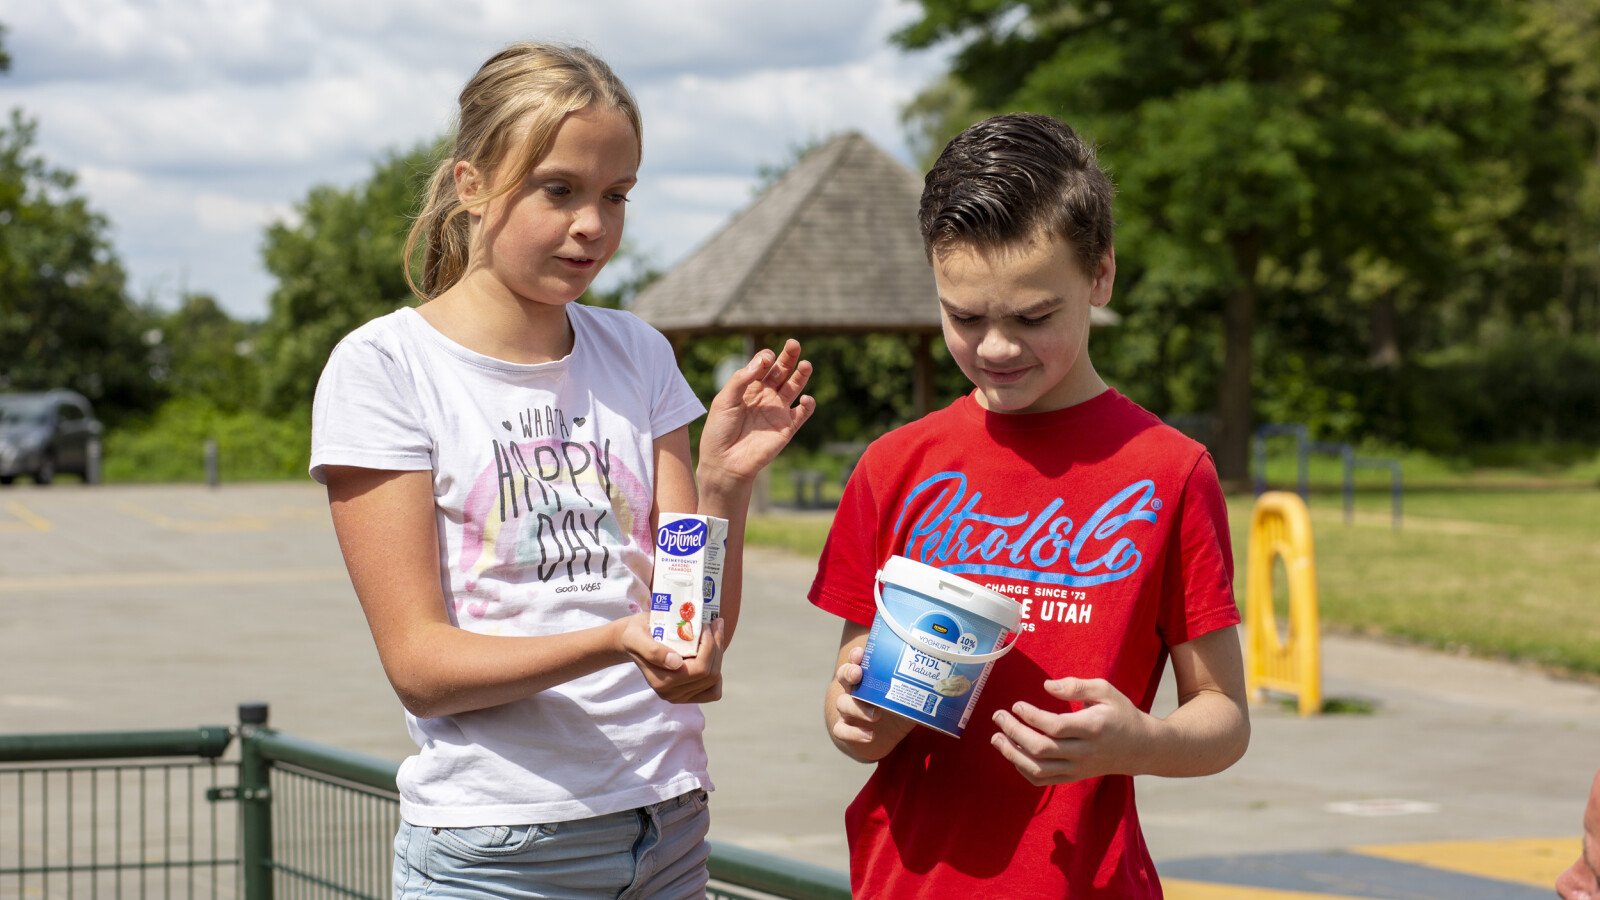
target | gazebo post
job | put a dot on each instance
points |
(921, 374)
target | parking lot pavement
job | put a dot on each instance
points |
(155, 607)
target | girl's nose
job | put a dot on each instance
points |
(588, 222)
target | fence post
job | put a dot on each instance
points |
(255, 805)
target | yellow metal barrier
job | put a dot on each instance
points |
(1281, 526)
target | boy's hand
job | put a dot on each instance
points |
(861, 729)
(675, 679)
(1101, 738)
(755, 414)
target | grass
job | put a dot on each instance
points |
(1499, 573)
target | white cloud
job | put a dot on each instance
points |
(192, 123)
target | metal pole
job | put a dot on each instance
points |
(255, 804)
(1349, 456)
(1261, 464)
(1302, 442)
(95, 455)
(1394, 491)
(213, 477)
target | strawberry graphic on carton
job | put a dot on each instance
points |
(686, 589)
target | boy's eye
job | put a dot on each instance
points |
(618, 198)
(1030, 322)
(961, 320)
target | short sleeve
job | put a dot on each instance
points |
(366, 413)
(675, 404)
(848, 566)
(1198, 593)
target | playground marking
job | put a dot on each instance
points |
(1535, 861)
(1182, 889)
(30, 520)
(161, 520)
(123, 580)
(1382, 807)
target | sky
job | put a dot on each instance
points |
(193, 124)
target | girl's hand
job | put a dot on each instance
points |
(675, 679)
(1103, 737)
(755, 414)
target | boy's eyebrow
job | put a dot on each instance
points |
(1046, 305)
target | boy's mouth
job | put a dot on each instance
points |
(1009, 376)
(577, 262)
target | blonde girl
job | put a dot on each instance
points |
(495, 460)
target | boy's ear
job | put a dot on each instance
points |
(468, 185)
(1105, 274)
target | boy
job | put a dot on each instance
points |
(1106, 525)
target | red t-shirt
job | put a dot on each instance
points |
(1110, 528)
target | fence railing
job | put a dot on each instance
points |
(144, 814)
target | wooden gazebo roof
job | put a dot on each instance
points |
(832, 246)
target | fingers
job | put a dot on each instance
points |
(1037, 771)
(1026, 736)
(1086, 690)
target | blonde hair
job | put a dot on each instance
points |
(509, 113)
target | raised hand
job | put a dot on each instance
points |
(755, 414)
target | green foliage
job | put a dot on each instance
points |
(203, 354)
(170, 445)
(1525, 389)
(1355, 183)
(65, 319)
(338, 266)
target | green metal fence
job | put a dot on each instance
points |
(163, 814)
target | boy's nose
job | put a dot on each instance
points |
(996, 346)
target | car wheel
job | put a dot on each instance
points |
(47, 470)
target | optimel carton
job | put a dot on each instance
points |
(686, 592)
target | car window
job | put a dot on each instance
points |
(70, 413)
(23, 412)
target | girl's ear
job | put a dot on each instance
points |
(468, 185)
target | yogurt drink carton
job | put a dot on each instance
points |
(686, 591)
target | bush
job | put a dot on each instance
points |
(1536, 394)
(170, 446)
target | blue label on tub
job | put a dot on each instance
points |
(681, 538)
(909, 680)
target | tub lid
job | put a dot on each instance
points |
(934, 582)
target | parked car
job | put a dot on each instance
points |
(45, 433)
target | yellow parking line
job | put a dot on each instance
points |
(1534, 861)
(1179, 889)
(31, 521)
(119, 580)
(161, 520)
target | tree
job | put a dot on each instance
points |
(65, 317)
(1271, 154)
(201, 353)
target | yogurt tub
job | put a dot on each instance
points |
(933, 641)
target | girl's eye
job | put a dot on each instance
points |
(557, 190)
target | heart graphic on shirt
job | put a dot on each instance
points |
(476, 609)
(505, 424)
(579, 420)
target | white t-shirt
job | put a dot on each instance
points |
(543, 482)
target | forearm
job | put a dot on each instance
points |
(1206, 734)
(727, 498)
(440, 670)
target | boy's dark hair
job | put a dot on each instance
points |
(1010, 177)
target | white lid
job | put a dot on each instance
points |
(952, 589)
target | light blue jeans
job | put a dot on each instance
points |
(656, 851)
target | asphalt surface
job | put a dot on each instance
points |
(161, 607)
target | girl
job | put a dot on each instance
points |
(495, 461)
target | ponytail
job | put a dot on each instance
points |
(443, 229)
